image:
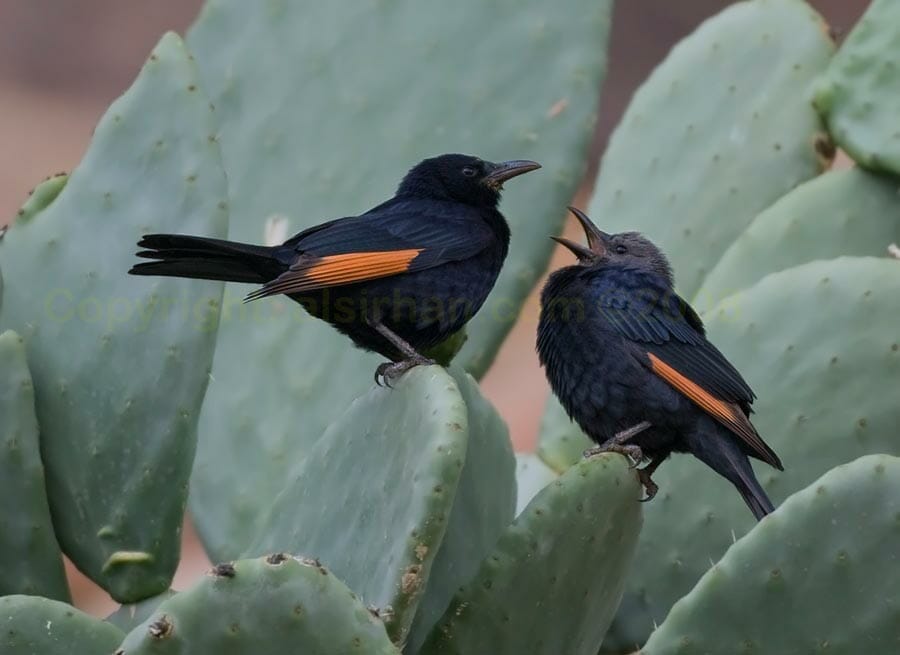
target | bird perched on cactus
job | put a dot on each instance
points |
(398, 279)
(631, 364)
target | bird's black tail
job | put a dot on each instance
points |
(206, 259)
(720, 450)
(753, 493)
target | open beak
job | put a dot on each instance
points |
(596, 239)
(505, 170)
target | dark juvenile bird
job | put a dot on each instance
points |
(630, 362)
(398, 279)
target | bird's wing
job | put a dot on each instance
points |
(396, 238)
(671, 335)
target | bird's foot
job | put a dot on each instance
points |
(619, 444)
(632, 452)
(650, 487)
(389, 372)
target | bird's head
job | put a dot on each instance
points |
(626, 248)
(462, 178)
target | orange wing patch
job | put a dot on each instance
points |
(728, 414)
(333, 270)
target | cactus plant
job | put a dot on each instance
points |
(721, 129)
(100, 344)
(130, 616)
(855, 94)
(532, 475)
(264, 605)
(561, 442)
(30, 625)
(407, 495)
(483, 506)
(40, 197)
(290, 151)
(822, 403)
(825, 558)
(30, 559)
(577, 537)
(415, 435)
(849, 212)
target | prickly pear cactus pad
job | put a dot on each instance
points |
(407, 444)
(41, 196)
(120, 364)
(849, 212)
(30, 559)
(554, 579)
(561, 442)
(30, 625)
(857, 93)
(328, 131)
(532, 475)
(720, 130)
(483, 507)
(128, 617)
(267, 606)
(827, 558)
(819, 343)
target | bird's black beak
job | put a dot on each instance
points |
(498, 173)
(596, 239)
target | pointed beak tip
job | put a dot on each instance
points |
(509, 169)
(595, 236)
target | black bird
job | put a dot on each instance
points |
(398, 279)
(630, 362)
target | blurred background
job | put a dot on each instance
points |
(62, 63)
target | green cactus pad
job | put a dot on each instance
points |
(555, 577)
(128, 617)
(849, 212)
(120, 363)
(444, 352)
(827, 559)
(532, 475)
(561, 442)
(720, 130)
(820, 346)
(407, 444)
(275, 604)
(30, 559)
(328, 130)
(30, 625)
(484, 505)
(857, 93)
(41, 196)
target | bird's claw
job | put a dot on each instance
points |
(632, 452)
(636, 455)
(650, 487)
(389, 372)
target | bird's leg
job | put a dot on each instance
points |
(619, 444)
(390, 371)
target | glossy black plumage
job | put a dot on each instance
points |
(414, 268)
(620, 347)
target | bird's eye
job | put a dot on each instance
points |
(469, 171)
(620, 249)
